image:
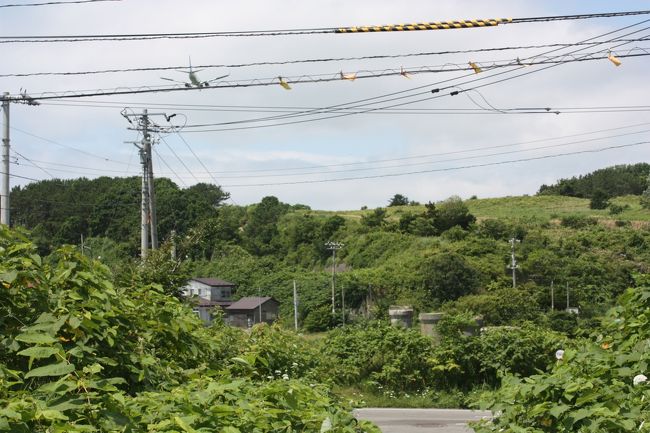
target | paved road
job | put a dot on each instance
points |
(421, 420)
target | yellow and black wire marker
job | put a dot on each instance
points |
(436, 25)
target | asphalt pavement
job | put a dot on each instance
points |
(394, 420)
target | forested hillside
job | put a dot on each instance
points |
(610, 182)
(451, 255)
(110, 343)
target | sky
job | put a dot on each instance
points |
(395, 135)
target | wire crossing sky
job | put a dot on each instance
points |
(335, 121)
(436, 25)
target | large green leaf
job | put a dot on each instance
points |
(39, 352)
(36, 338)
(59, 369)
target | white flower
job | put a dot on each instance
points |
(559, 354)
(639, 378)
(285, 376)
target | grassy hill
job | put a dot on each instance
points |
(534, 208)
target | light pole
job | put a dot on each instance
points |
(333, 246)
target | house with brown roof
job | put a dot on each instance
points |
(251, 310)
(208, 294)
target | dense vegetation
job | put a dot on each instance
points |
(595, 386)
(117, 342)
(451, 255)
(608, 182)
(78, 354)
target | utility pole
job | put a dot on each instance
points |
(333, 246)
(552, 297)
(513, 261)
(343, 305)
(567, 296)
(260, 306)
(173, 236)
(144, 206)
(148, 218)
(295, 306)
(5, 205)
(146, 144)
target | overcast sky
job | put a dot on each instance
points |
(461, 154)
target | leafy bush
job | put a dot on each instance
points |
(380, 356)
(597, 386)
(577, 221)
(79, 355)
(468, 361)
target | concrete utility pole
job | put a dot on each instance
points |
(148, 217)
(146, 144)
(552, 297)
(333, 246)
(144, 205)
(5, 205)
(295, 306)
(513, 261)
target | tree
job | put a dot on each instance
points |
(376, 218)
(599, 200)
(261, 228)
(447, 276)
(645, 197)
(398, 200)
(453, 212)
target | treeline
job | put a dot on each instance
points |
(436, 256)
(61, 211)
(608, 182)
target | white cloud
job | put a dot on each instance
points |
(363, 137)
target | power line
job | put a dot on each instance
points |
(420, 157)
(488, 164)
(69, 94)
(35, 165)
(168, 167)
(67, 146)
(420, 163)
(191, 172)
(301, 61)
(201, 162)
(17, 5)
(436, 25)
(319, 78)
(21, 177)
(435, 90)
(297, 109)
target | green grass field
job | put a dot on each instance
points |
(539, 208)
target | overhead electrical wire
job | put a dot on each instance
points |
(420, 163)
(408, 164)
(329, 77)
(190, 171)
(94, 155)
(301, 61)
(34, 164)
(487, 164)
(437, 90)
(440, 25)
(72, 94)
(169, 167)
(51, 3)
(408, 111)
